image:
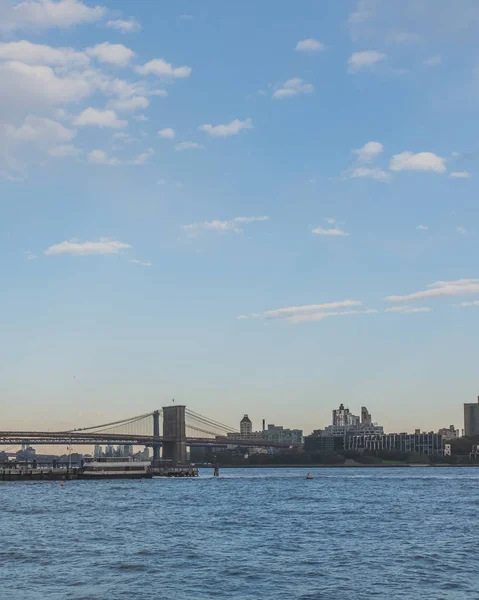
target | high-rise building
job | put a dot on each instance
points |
(97, 451)
(342, 417)
(471, 419)
(246, 426)
(366, 418)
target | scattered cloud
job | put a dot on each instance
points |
(232, 128)
(40, 131)
(168, 133)
(187, 146)
(464, 304)
(161, 182)
(369, 151)
(76, 248)
(100, 118)
(371, 172)
(113, 54)
(45, 14)
(408, 309)
(334, 231)
(186, 17)
(140, 118)
(142, 158)
(460, 174)
(292, 87)
(29, 255)
(64, 151)
(312, 312)
(460, 287)
(100, 157)
(309, 45)
(461, 230)
(130, 104)
(423, 161)
(41, 54)
(367, 59)
(223, 226)
(130, 25)
(161, 68)
(422, 227)
(143, 263)
(432, 61)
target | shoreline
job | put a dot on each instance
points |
(349, 466)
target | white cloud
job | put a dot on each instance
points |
(130, 104)
(187, 146)
(37, 129)
(408, 309)
(143, 263)
(75, 248)
(423, 161)
(232, 128)
(464, 304)
(29, 255)
(335, 231)
(330, 221)
(141, 118)
(309, 45)
(142, 158)
(292, 87)
(161, 68)
(161, 182)
(460, 175)
(168, 133)
(373, 173)
(461, 230)
(366, 59)
(312, 312)
(41, 54)
(100, 118)
(64, 151)
(44, 14)
(114, 54)
(369, 151)
(460, 287)
(223, 226)
(432, 61)
(422, 227)
(130, 25)
(99, 157)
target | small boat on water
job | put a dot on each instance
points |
(309, 476)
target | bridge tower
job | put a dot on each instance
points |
(156, 433)
(174, 434)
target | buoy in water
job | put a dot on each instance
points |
(309, 476)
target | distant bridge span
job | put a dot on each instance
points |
(180, 428)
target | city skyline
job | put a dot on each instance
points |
(193, 197)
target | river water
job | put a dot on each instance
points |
(252, 534)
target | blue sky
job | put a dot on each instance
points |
(253, 208)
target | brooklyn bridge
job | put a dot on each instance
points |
(172, 429)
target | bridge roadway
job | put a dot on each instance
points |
(10, 438)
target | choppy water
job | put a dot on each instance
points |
(268, 534)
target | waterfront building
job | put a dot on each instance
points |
(342, 417)
(246, 426)
(97, 451)
(449, 433)
(471, 419)
(345, 423)
(430, 443)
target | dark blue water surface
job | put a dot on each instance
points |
(348, 534)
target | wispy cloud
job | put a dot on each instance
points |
(312, 312)
(459, 287)
(422, 227)
(187, 146)
(460, 174)
(232, 128)
(233, 225)
(100, 157)
(461, 230)
(370, 172)
(432, 61)
(408, 309)
(76, 248)
(168, 133)
(163, 69)
(143, 263)
(367, 59)
(292, 87)
(464, 304)
(333, 231)
(100, 118)
(130, 25)
(29, 255)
